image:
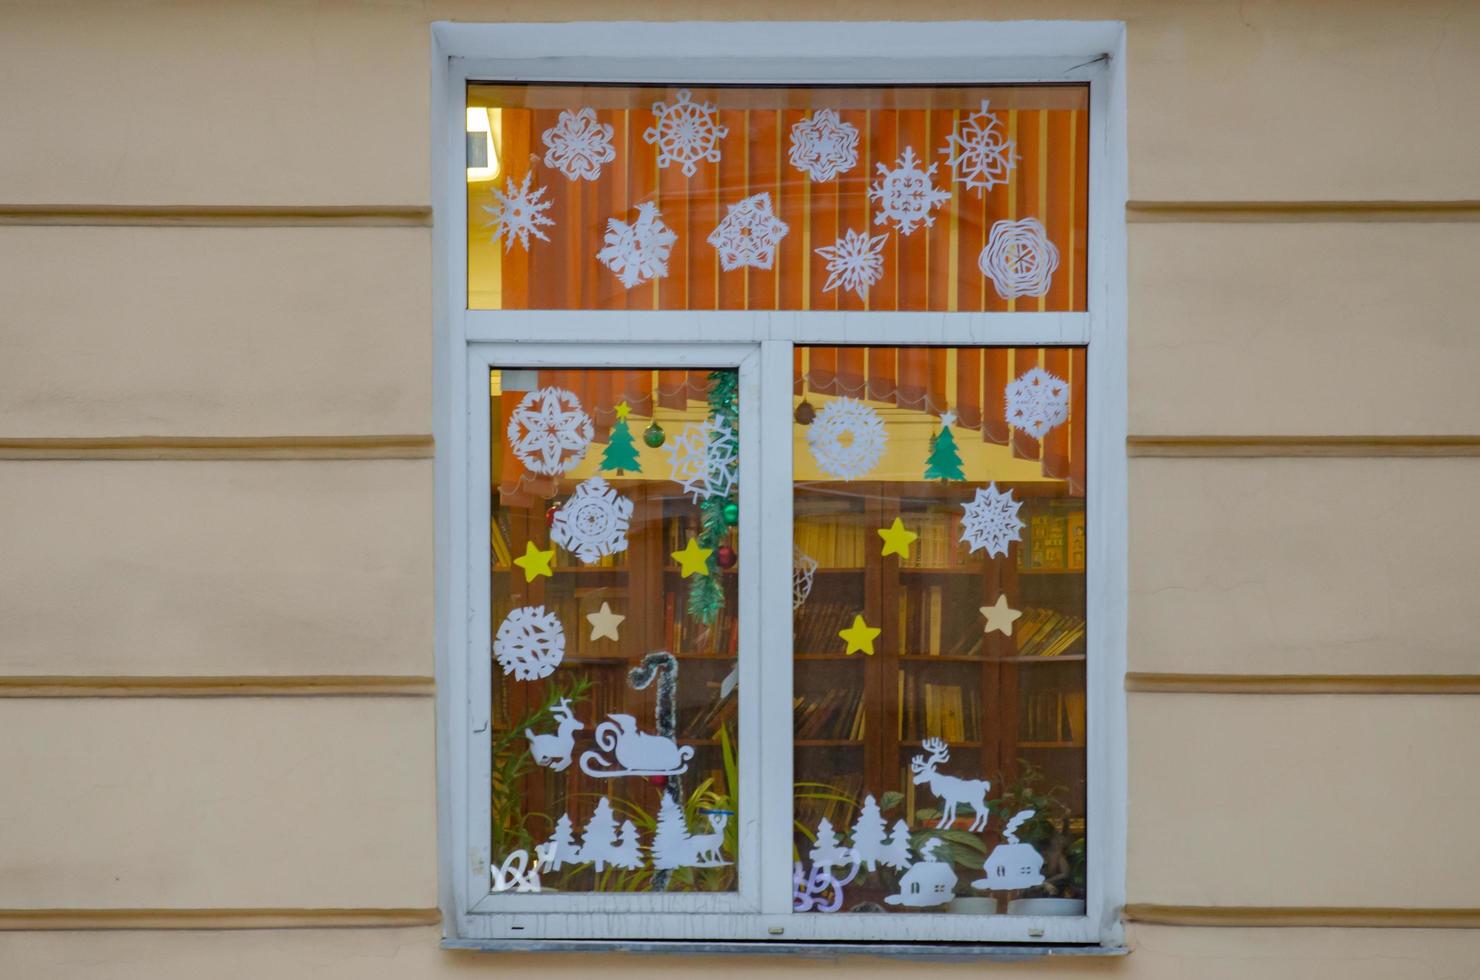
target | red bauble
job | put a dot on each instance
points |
(725, 557)
(658, 781)
(550, 515)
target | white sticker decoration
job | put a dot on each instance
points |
(604, 623)
(929, 881)
(686, 132)
(829, 850)
(896, 851)
(628, 852)
(991, 520)
(638, 252)
(702, 458)
(846, 438)
(555, 750)
(549, 432)
(518, 212)
(530, 643)
(855, 261)
(593, 522)
(516, 874)
(823, 146)
(673, 845)
(1012, 864)
(820, 889)
(599, 845)
(748, 234)
(623, 750)
(803, 570)
(561, 848)
(578, 144)
(906, 194)
(1037, 402)
(869, 834)
(1019, 258)
(953, 791)
(980, 154)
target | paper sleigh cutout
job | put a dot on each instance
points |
(630, 752)
(555, 750)
(1012, 864)
(952, 790)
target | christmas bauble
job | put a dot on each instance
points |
(725, 557)
(658, 781)
(732, 513)
(654, 435)
(550, 515)
(805, 413)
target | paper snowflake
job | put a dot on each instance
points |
(685, 132)
(593, 522)
(577, 145)
(638, 252)
(846, 438)
(980, 155)
(749, 233)
(906, 194)
(991, 521)
(1019, 258)
(854, 262)
(803, 568)
(1037, 402)
(548, 431)
(703, 458)
(518, 212)
(530, 643)
(824, 146)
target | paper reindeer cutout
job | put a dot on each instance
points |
(630, 752)
(1013, 864)
(555, 750)
(953, 791)
(673, 845)
(928, 882)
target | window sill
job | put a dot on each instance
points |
(934, 952)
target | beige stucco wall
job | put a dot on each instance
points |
(1294, 326)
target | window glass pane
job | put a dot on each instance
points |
(614, 592)
(939, 644)
(965, 198)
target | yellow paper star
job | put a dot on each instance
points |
(897, 539)
(535, 562)
(860, 636)
(999, 617)
(604, 622)
(622, 410)
(692, 560)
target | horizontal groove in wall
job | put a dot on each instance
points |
(90, 919)
(1146, 212)
(1147, 682)
(1362, 918)
(415, 446)
(212, 215)
(1283, 446)
(327, 685)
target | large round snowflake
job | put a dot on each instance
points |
(593, 522)
(854, 262)
(685, 132)
(577, 145)
(991, 520)
(1019, 258)
(638, 252)
(749, 233)
(530, 643)
(980, 155)
(1037, 402)
(803, 570)
(518, 212)
(824, 146)
(704, 458)
(549, 432)
(906, 194)
(846, 438)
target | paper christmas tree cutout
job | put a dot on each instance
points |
(621, 449)
(828, 851)
(599, 840)
(627, 854)
(561, 848)
(944, 461)
(897, 853)
(869, 834)
(671, 838)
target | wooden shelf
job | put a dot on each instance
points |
(1050, 745)
(804, 742)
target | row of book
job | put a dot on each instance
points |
(1053, 542)
(1047, 633)
(939, 544)
(834, 714)
(836, 541)
(1053, 717)
(923, 625)
(934, 709)
(500, 540)
(684, 634)
(707, 722)
(818, 623)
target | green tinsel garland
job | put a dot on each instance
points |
(707, 592)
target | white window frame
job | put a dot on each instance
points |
(759, 344)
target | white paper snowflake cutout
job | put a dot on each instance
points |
(854, 261)
(991, 521)
(906, 194)
(749, 233)
(638, 252)
(518, 212)
(685, 132)
(577, 145)
(803, 568)
(530, 643)
(593, 522)
(980, 155)
(1037, 402)
(1019, 258)
(703, 458)
(824, 146)
(549, 432)
(846, 438)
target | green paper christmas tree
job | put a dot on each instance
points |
(621, 449)
(944, 461)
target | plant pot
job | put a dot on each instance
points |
(1046, 906)
(973, 905)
